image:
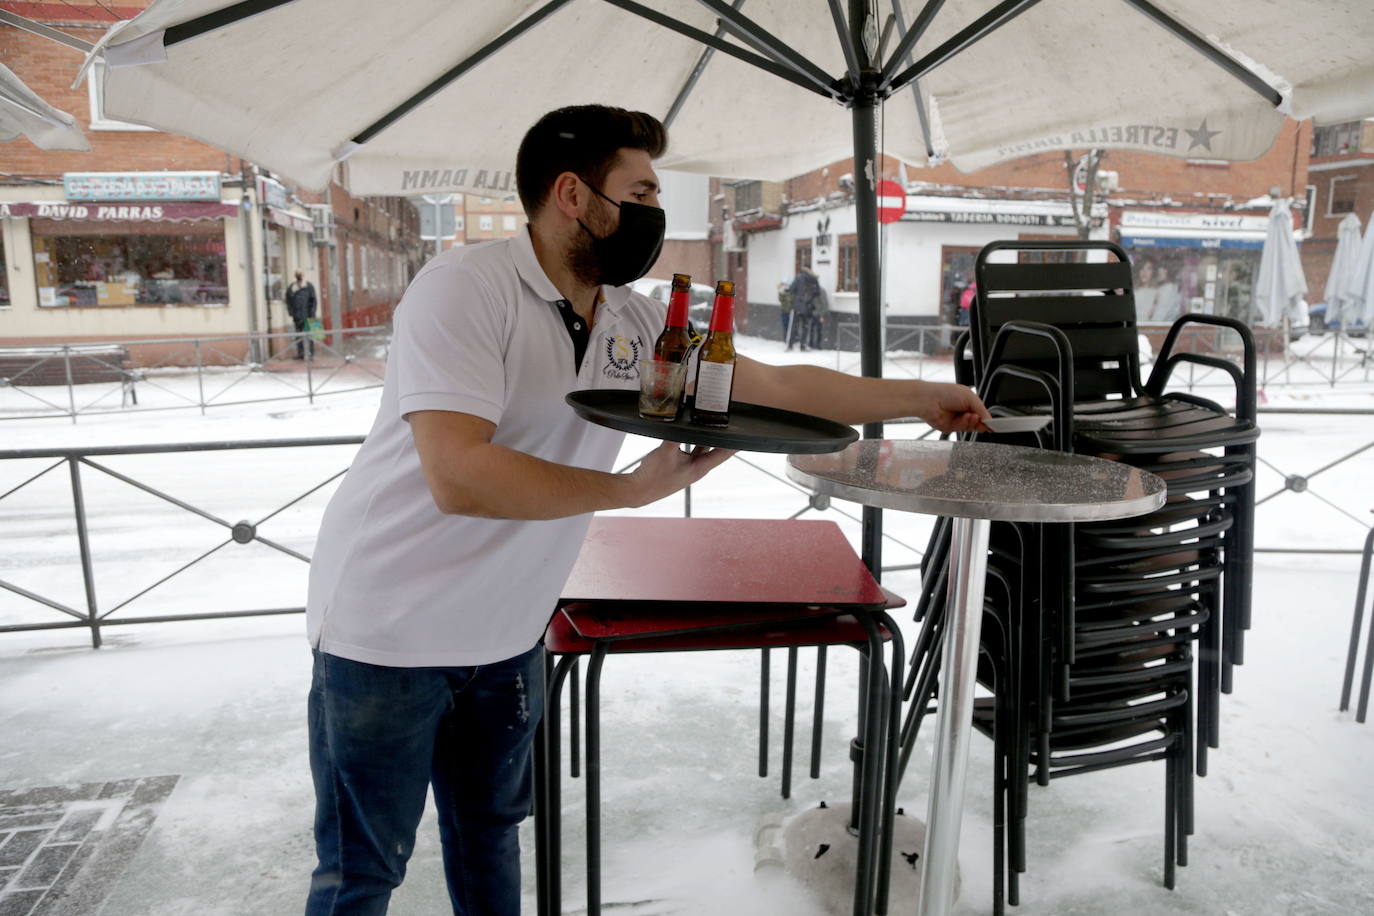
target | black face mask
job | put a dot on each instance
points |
(627, 253)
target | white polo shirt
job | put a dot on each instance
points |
(393, 580)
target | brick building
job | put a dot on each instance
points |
(1194, 228)
(1340, 181)
(151, 235)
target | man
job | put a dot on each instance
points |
(300, 305)
(442, 554)
(820, 313)
(805, 289)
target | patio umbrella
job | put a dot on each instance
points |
(1280, 284)
(1342, 305)
(23, 113)
(430, 96)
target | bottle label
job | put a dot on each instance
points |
(713, 386)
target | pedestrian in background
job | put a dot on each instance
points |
(300, 305)
(966, 298)
(805, 289)
(820, 313)
(785, 312)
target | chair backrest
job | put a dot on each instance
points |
(1091, 301)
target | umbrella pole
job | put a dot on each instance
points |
(864, 114)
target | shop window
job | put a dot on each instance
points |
(484, 221)
(348, 261)
(1309, 208)
(1335, 139)
(848, 279)
(1164, 282)
(1342, 199)
(364, 272)
(99, 263)
(802, 256)
(4, 277)
(748, 196)
(95, 89)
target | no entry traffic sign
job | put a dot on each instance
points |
(891, 201)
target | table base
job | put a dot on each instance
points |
(817, 849)
(958, 677)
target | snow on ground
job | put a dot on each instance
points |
(1285, 821)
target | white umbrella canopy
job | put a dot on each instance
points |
(295, 87)
(1342, 304)
(1280, 285)
(24, 114)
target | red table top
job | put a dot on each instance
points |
(657, 576)
(721, 561)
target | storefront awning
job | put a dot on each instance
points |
(1150, 229)
(288, 220)
(141, 212)
(993, 211)
(1150, 241)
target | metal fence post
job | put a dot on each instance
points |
(84, 543)
(1355, 626)
(71, 390)
(200, 379)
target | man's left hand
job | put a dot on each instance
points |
(952, 408)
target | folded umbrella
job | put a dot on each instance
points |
(1280, 283)
(1343, 305)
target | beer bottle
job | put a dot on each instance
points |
(716, 363)
(674, 343)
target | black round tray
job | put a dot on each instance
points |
(751, 428)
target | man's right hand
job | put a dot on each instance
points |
(668, 469)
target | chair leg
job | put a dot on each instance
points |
(999, 808)
(763, 714)
(1170, 817)
(890, 781)
(856, 748)
(574, 731)
(788, 725)
(818, 713)
(868, 795)
(553, 790)
(594, 779)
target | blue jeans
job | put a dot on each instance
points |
(380, 737)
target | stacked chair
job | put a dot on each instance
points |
(597, 629)
(1108, 643)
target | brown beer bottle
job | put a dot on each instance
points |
(674, 343)
(716, 364)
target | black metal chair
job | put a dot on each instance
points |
(1114, 412)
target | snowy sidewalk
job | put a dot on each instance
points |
(166, 773)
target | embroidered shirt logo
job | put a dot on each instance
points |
(622, 357)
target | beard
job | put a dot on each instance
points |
(582, 259)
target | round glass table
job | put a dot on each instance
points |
(974, 483)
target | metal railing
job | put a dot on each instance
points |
(201, 373)
(98, 612)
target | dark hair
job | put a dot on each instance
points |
(584, 140)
